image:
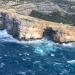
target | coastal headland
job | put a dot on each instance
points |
(25, 27)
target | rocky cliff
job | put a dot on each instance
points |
(27, 28)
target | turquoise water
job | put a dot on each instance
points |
(40, 57)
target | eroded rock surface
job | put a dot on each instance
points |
(26, 27)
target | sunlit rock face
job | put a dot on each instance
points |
(27, 28)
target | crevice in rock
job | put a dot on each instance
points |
(49, 33)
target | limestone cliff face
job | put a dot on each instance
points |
(26, 27)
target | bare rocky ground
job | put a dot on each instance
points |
(47, 6)
(51, 10)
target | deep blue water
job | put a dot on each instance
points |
(40, 57)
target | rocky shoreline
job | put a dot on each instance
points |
(29, 28)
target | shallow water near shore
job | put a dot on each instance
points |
(39, 57)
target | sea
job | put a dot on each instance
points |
(37, 57)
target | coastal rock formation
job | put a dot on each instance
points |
(28, 28)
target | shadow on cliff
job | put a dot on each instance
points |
(15, 29)
(54, 17)
(10, 24)
(49, 33)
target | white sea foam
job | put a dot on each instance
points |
(71, 61)
(2, 65)
(31, 41)
(44, 47)
(68, 44)
(22, 73)
(4, 34)
(52, 55)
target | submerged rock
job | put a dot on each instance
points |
(27, 28)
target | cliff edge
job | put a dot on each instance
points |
(29, 28)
